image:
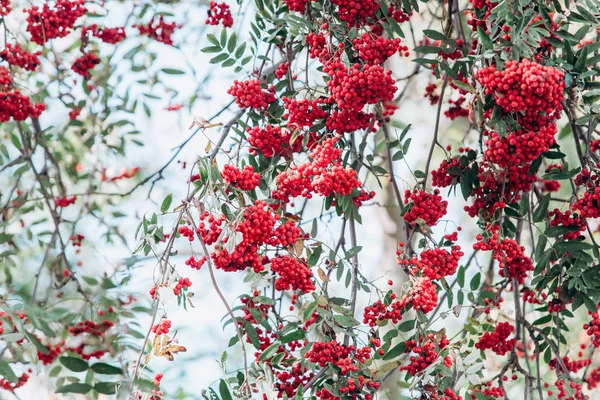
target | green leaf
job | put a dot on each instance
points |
(571, 246)
(74, 388)
(406, 326)
(352, 252)
(270, 351)
(460, 276)
(224, 390)
(542, 209)
(296, 335)
(345, 321)
(435, 35)
(464, 86)
(232, 42)
(485, 39)
(36, 342)
(164, 207)
(106, 369)
(172, 71)
(106, 387)
(7, 372)
(219, 59)
(475, 281)
(252, 335)
(395, 351)
(74, 364)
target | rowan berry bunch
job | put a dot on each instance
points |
(425, 352)
(56, 22)
(14, 105)
(16, 55)
(377, 49)
(159, 30)
(425, 208)
(85, 63)
(497, 341)
(219, 13)
(292, 274)
(250, 94)
(302, 112)
(245, 179)
(107, 35)
(272, 141)
(353, 88)
(162, 328)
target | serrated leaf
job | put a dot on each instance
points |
(81, 388)
(395, 351)
(542, 209)
(7, 372)
(166, 203)
(106, 369)
(106, 387)
(74, 364)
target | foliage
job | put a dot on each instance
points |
(310, 126)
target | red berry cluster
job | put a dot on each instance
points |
(573, 221)
(302, 112)
(317, 46)
(162, 328)
(250, 94)
(572, 365)
(56, 22)
(271, 141)
(497, 340)
(51, 353)
(456, 108)
(282, 69)
(448, 173)
(426, 352)
(324, 175)
(498, 188)
(186, 232)
(65, 201)
(592, 328)
(426, 208)
(76, 239)
(22, 380)
(510, 255)
(495, 392)
(297, 5)
(107, 35)
(211, 234)
(525, 87)
(342, 356)
(12, 103)
(85, 63)
(288, 381)
(219, 12)
(519, 147)
(376, 49)
(349, 121)
(378, 312)
(16, 55)
(589, 205)
(436, 263)
(159, 30)
(5, 8)
(245, 179)
(352, 88)
(292, 274)
(257, 228)
(195, 264)
(91, 328)
(182, 284)
(356, 12)
(157, 378)
(423, 295)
